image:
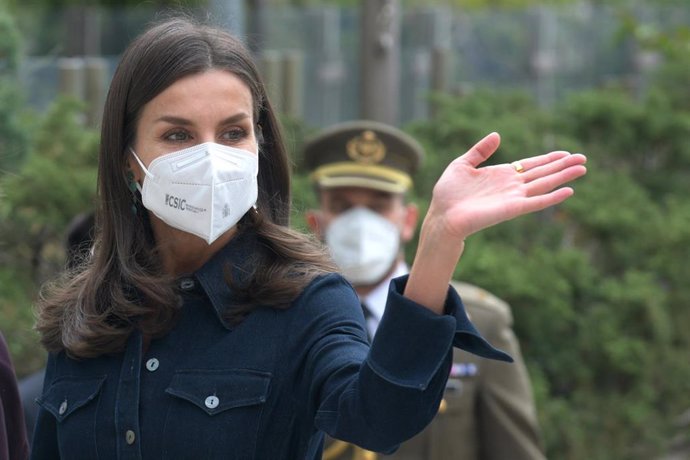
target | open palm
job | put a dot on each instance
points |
(468, 198)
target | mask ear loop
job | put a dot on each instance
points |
(146, 171)
(259, 133)
(133, 184)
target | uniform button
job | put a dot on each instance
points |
(187, 284)
(63, 408)
(152, 364)
(443, 407)
(130, 437)
(212, 402)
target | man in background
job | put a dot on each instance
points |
(362, 171)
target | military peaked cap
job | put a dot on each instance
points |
(363, 153)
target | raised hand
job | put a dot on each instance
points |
(468, 198)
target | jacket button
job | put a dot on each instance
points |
(212, 402)
(130, 437)
(186, 284)
(152, 364)
(63, 408)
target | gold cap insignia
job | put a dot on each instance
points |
(366, 148)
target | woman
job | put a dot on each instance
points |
(202, 326)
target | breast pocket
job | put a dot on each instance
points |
(74, 404)
(215, 413)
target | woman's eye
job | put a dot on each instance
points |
(234, 134)
(177, 136)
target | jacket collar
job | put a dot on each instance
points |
(233, 260)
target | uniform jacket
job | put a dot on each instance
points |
(13, 442)
(488, 410)
(265, 389)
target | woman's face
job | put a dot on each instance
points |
(214, 106)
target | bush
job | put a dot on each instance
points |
(56, 181)
(596, 284)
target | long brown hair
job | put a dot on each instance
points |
(122, 287)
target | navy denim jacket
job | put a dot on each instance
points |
(265, 389)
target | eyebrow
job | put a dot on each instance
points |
(186, 122)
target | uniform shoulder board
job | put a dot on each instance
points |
(475, 297)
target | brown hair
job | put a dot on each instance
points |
(122, 287)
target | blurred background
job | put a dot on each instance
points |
(598, 285)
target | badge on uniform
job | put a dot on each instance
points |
(463, 370)
(459, 371)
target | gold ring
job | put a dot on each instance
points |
(518, 166)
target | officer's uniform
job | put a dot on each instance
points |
(488, 409)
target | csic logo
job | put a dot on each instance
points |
(175, 202)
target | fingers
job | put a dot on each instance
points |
(546, 184)
(482, 150)
(550, 164)
(532, 163)
(544, 174)
(543, 201)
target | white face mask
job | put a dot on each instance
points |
(204, 190)
(363, 244)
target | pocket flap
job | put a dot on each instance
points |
(67, 394)
(217, 390)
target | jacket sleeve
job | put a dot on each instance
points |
(380, 397)
(507, 414)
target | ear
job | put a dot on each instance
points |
(409, 223)
(314, 218)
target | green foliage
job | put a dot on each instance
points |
(303, 198)
(13, 140)
(647, 144)
(597, 284)
(56, 182)
(9, 44)
(117, 3)
(465, 4)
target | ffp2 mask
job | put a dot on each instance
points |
(203, 190)
(363, 244)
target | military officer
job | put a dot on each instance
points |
(361, 171)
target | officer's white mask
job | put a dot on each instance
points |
(363, 244)
(204, 190)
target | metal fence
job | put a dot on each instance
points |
(309, 56)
